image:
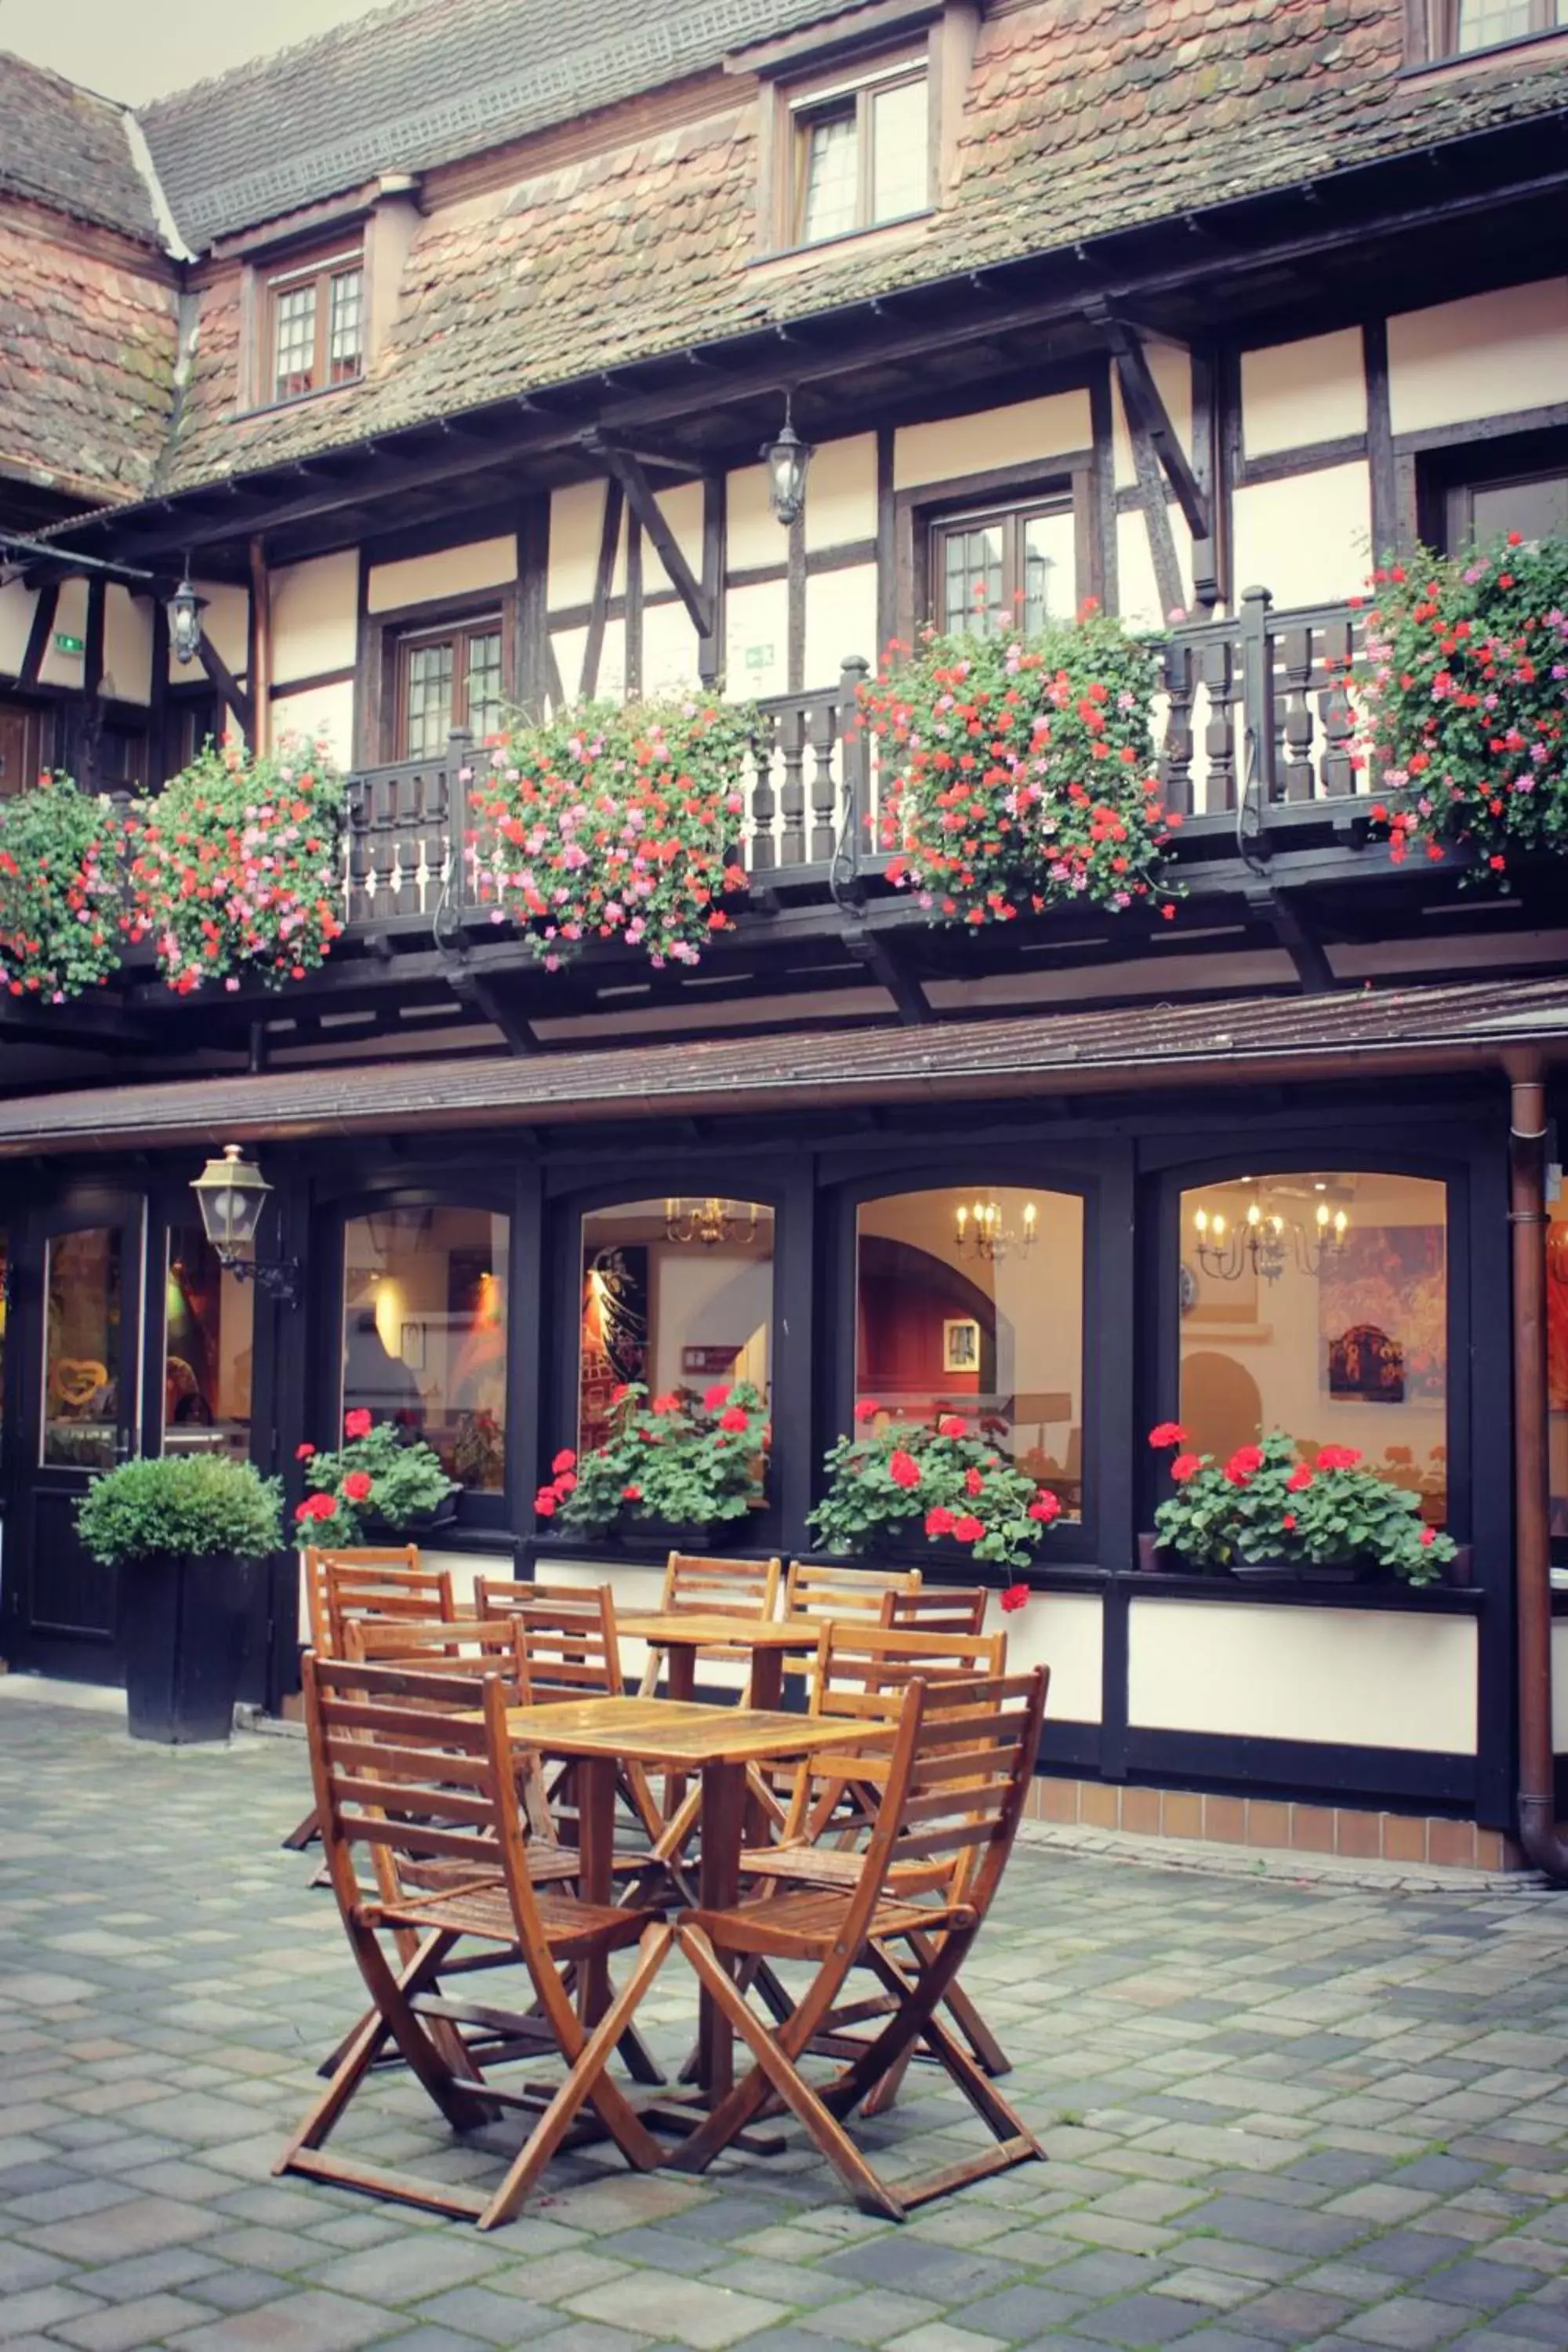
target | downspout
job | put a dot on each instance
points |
(1537, 1832)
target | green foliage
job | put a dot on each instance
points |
(1268, 1504)
(1018, 772)
(183, 1506)
(904, 1481)
(378, 1473)
(616, 820)
(60, 882)
(687, 1462)
(1465, 682)
(236, 866)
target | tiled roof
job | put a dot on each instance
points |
(68, 148)
(1082, 117)
(423, 82)
(1366, 1031)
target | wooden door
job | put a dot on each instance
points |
(78, 1386)
(24, 728)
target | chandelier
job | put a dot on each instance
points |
(980, 1232)
(1264, 1242)
(710, 1221)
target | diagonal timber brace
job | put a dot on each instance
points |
(1147, 413)
(627, 470)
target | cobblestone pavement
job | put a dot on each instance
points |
(1276, 2115)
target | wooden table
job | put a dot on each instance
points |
(720, 1742)
(681, 1634)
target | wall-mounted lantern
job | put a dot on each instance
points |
(786, 459)
(232, 1194)
(186, 610)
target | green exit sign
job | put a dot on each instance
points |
(759, 656)
(66, 644)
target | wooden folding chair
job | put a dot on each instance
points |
(365, 1573)
(713, 1587)
(936, 1609)
(392, 1781)
(955, 1792)
(815, 1592)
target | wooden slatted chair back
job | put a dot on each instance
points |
(360, 1587)
(936, 1609)
(318, 1560)
(401, 1762)
(817, 1591)
(720, 1587)
(974, 1752)
(567, 1645)
(467, 1647)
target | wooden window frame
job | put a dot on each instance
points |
(379, 713)
(1445, 478)
(1432, 32)
(1013, 515)
(835, 92)
(456, 632)
(289, 275)
(920, 512)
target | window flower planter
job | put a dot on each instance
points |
(911, 1486)
(675, 1466)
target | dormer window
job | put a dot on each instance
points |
(1464, 28)
(862, 150)
(315, 313)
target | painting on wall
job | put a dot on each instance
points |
(1383, 1315)
(960, 1345)
(614, 1347)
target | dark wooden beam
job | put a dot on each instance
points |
(228, 684)
(530, 627)
(1142, 399)
(604, 575)
(885, 967)
(1304, 951)
(484, 996)
(40, 632)
(627, 470)
(1156, 517)
(715, 535)
(1381, 462)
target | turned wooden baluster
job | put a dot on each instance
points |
(1175, 766)
(791, 796)
(764, 801)
(1339, 773)
(1217, 670)
(358, 876)
(821, 733)
(1299, 729)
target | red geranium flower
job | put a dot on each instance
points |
(969, 1530)
(903, 1469)
(564, 1460)
(303, 1452)
(544, 1502)
(736, 1419)
(631, 1493)
(718, 1394)
(1046, 1507)
(1244, 1465)
(566, 1484)
(1338, 1457)
(1167, 1432)
(1015, 1597)
(618, 1394)
(866, 1409)
(939, 1520)
(974, 1483)
(1301, 1478)
(357, 1486)
(949, 1426)
(357, 1423)
(668, 1402)
(1185, 1467)
(1289, 1523)
(1429, 1535)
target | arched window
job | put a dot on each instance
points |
(424, 1330)
(969, 1300)
(1316, 1303)
(678, 1293)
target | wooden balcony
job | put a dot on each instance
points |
(1254, 719)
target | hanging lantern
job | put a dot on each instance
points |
(786, 459)
(232, 1194)
(185, 609)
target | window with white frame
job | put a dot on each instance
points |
(860, 150)
(315, 332)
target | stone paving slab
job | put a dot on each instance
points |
(1278, 2114)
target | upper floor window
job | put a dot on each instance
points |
(1458, 29)
(1536, 504)
(315, 324)
(861, 150)
(1010, 567)
(447, 677)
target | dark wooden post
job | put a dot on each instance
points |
(1257, 693)
(854, 753)
(456, 815)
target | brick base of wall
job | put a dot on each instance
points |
(1267, 1821)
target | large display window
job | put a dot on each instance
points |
(677, 1294)
(425, 1331)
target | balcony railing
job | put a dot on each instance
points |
(1255, 709)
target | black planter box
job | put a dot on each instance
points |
(185, 1627)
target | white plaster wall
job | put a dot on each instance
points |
(314, 621)
(752, 534)
(16, 607)
(840, 620)
(576, 517)
(682, 510)
(570, 646)
(326, 714)
(1486, 356)
(1017, 435)
(1173, 371)
(1308, 540)
(1137, 592)
(1062, 1631)
(452, 571)
(841, 493)
(70, 620)
(756, 640)
(669, 648)
(1348, 1677)
(1293, 394)
(127, 645)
